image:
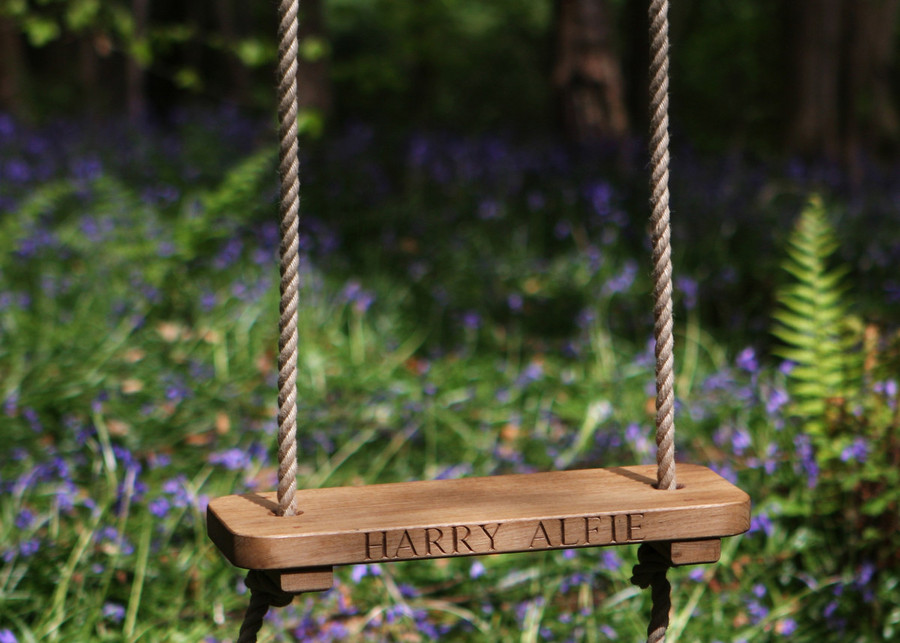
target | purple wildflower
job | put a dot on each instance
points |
(689, 291)
(622, 281)
(159, 507)
(777, 398)
(113, 612)
(29, 547)
(25, 519)
(788, 627)
(471, 320)
(231, 459)
(857, 451)
(747, 361)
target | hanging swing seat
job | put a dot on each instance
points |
(475, 516)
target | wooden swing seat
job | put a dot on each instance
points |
(476, 516)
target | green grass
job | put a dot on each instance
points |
(138, 359)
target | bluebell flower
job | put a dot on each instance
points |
(25, 519)
(113, 612)
(231, 459)
(359, 572)
(808, 462)
(471, 320)
(787, 627)
(776, 399)
(29, 547)
(741, 441)
(10, 405)
(747, 361)
(622, 282)
(600, 197)
(159, 507)
(857, 451)
(532, 373)
(6, 636)
(757, 611)
(611, 559)
(689, 290)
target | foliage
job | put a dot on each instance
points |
(137, 313)
(813, 321)
(844, 400)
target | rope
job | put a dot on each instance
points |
(290, 282)
(651, 568)
(662, 255)
(651, 572)
(264, 592)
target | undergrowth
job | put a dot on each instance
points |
(138, 360)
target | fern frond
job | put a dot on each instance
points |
(810, 320)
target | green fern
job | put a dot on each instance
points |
(813, 321)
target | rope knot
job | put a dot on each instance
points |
(651, 572)
(266, 586)
(651, 565)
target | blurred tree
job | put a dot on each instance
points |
(135, 96)
(587, 75)
(314, 80)
(842, 58)
(11, 63)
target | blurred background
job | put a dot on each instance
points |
(814, 77)
(474, 301)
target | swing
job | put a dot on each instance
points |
(291, 540)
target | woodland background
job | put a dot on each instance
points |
(474, 301)
(811, 77)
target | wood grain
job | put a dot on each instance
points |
(472, 516)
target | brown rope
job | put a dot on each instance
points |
(290, 196)
(651, 572)
(264, 592)
(662, 255)
(651, 568)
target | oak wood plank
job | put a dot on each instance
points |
(472, 516)
(691, 552)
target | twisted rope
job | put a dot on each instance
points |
(662, 255)
(264, 592)
(651, 572)
(290, 195)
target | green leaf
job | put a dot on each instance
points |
(313, 48)
(40, 31)
(254, 52)
(81, 14)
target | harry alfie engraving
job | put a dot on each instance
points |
(498, 537)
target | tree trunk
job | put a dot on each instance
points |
(815, 125)
(587, 75)
(872, 117)
(135, 97)
(89, 74)
(232, 24)
(11, 98)
(843, 54)
(313, 76)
